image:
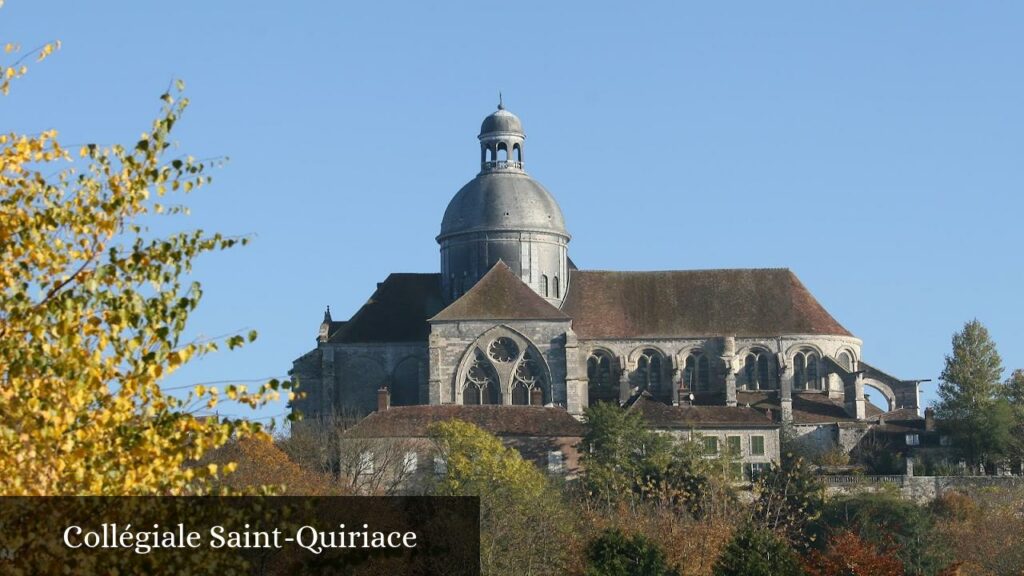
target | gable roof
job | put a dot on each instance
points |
(413, 421)
(808, 407)
(500, 295)
(752, 302)
(396, 312)
(657, 414)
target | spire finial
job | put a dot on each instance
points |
(501, 102)
(327, 314)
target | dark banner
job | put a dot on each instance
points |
(248, 535)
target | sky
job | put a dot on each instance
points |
(874, 148)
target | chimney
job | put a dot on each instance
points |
(536, 396)
(929, 419)
(383, 399)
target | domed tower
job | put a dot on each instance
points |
(504, 214)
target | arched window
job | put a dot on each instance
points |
(845, 361)
(517, 152)
(544, 285)
(502, 152)
(488, 155)
(405, 383)
(757, 367)
(649, 371)
(601, 386)
(799, 371)
(481, 384)
(697, 372)
(805, 371)
(528, 377)
(558, 288)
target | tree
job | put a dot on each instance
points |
(891, 523)
(261, 465)
(1013, 394)
(92, 311)
(970, 409)
(613, 553)
(789, 497)
(756, 551)
(849, 555)
(523, 521)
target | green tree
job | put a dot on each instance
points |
(523, 521)
(757, 551)
(1013, 394)
(92, 311)
(789, 497)
(970, 408)
(613, 553)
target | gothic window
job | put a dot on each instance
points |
(503, 350)
(544, 285)
(528, 377)
(845, 361)
(481, 384)
(558, 288)
(697, 372)
(805, 371)
(601, 385)
(649, 370)
(757, 368)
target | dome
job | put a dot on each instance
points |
(502, 201)
(501, 121)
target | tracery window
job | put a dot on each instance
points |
(503, 350)
(805, 371)
(649, 370)
(758, 370)
(601, 384)
(481, 385)
(528, 377)
(697, 372)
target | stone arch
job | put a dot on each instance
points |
(803, 347)
(602, 375)
(506, 365)
(758, 368)
(634, 354)
(853, 358)
(885, 390)
(405, 382)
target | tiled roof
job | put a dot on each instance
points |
(500, 295)
(657, 414)
(756, 302)
(413, 421)
(808, 407)
(396, 312)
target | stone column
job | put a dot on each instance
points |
(623, 381)
(434, 353)
(576, 393)
(729, 360)
(786, 395)
(331, 396)
(677, 383)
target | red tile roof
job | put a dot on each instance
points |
(413, 421)
(757, 302)
(500, 295)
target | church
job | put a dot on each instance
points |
(510, 321)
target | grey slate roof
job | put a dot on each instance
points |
(502, 201)
(657, 414)
(396, 312)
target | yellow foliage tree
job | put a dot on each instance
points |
(92, 311)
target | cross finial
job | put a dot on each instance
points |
(501, 102)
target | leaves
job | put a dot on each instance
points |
(92, 312)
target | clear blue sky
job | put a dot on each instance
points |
(872, 147)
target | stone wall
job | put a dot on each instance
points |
(920, 489)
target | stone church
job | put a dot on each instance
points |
(510, 320)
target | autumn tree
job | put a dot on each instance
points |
(970, 408)
(849, 555)
(523, 520)
(92, 311)
(789, 497)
